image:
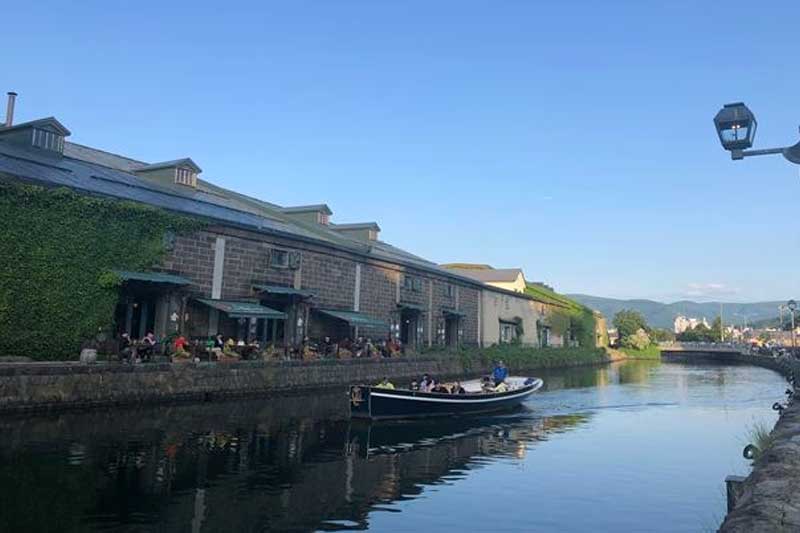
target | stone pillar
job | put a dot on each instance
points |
(430, 312)
(219, 268)
(357, 289)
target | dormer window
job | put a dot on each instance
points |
(185, 176)
(363, 231)
(180, 172)
(45, 135)
(312, 214)
(47, 140)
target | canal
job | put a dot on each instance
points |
(633, 446)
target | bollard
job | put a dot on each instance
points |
(733, 489)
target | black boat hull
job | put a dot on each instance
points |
(380, 404)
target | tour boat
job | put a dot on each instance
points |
(378, 403)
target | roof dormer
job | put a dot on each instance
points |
(180, 172)
(315, 214)
(45, 135)
(363, 231)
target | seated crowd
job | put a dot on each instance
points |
(221, 348)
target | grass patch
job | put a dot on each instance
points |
(651, 352)
(760, 436)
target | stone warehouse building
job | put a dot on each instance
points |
(256, 270)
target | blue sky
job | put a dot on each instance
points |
(572, 139)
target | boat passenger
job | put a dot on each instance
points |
(385, 384)
(486, 384)
(457, 388)
(501, 387)
(500, 373)
(414, 385)
(424, 383)
(441, 388)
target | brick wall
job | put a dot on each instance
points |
(330, 274)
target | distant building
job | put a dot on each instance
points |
(683, 323)
(510, 279)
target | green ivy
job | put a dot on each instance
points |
(59, 248)
(564, 315)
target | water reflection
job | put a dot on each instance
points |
(288, 464)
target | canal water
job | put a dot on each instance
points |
(633, 446)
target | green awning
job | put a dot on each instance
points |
(355, 319)
(284, 291)
(411, 307)
(453, 312)
(152, 277)
(243, 309)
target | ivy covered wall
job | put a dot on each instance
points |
(565, 315)
(58, 249)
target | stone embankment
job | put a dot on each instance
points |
(46, 386)
(769, 498)
(66, 385)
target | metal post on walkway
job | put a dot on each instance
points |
(792, 305)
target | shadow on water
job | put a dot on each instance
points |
(278, 464)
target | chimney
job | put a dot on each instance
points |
(12, 96)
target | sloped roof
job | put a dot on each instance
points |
(186, 161)
(498, 275)
(94, 171)
(313, 208)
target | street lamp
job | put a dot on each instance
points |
(736, 127)
(792, 305)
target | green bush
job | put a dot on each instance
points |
(518, 357)
(651, 351)
(59, 248)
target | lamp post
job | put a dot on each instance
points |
(792, 305)
(736, 127)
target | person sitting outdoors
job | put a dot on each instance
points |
(486, 384)
(500, 373)
(125, 347)
(424, 383)
(148, 346)
(326, 347)
(457, 388)
(440, 388)
(501, 387)
(228, 351)
(180, 349)
(385, 384)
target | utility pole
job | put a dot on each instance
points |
(721, 328)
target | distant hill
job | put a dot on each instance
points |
(662, 315)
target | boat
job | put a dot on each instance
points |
(377, 403)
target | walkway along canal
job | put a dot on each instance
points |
(631, 446)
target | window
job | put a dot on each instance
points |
(449, 291)
(508, 332)
(47, 140)
(279, 258)
(408, 283)
(185, 176)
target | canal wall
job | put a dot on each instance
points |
(47, 386)
(37, 386)
(769, 498)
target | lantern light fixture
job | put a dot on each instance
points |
(736, 128)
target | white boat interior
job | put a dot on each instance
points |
(512, 382)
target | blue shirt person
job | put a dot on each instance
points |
(500, 373)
